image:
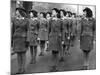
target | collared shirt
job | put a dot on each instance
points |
(49, 18)
(63, 18)
(19, 18)
(34, 19)
(54, 18)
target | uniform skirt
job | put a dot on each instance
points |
(32, 38)
(55, 43)
(20, 44)
(43, 35)
(86, 42)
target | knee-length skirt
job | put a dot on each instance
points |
(20, 44)
(55, 43)
(43, 35)
(86, 42)
(32, 38)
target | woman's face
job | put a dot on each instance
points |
(31, 14)
(41, 15)
(48, 16)
(61, 13)
(84, 14)
(38, 15)
(67, 15)
(73, 16)
(54, 13)
(17, 13)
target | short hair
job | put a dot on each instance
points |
(74, 14)
(88, 12)
(64, 12)
(22, 12)
(44, 14)
(69, 13)
(57, 11)
(34, 12)
(48, 13)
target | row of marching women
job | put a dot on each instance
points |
(58, 29)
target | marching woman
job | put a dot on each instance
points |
(55, 33)
(67, 30)
(87, 32)
(33, 29)
(48, 17)
(70, 27)
(20, 45)
(42, 32)
(74, 27)
(65, 40)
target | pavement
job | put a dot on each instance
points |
(72, 62)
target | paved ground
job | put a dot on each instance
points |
(72, 62)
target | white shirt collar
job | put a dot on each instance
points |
(34, 19)
(54, 18)
(63, 18)
(20, 18)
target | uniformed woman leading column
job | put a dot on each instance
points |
(87, 33)
(19, 37)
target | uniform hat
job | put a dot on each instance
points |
(34, 12)
(57, 10)
(64, 12)
(22, 11)
(89, 12)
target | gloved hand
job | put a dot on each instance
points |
(62, 42)
(68, 37)
(45, 29)
(38, 38)
(47, 42)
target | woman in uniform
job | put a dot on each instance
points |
(55, 33)
(65, 34)
(67, 30)
(70, 28)
(20, 46)
(42, 32)
(48, 17)
(74, 27)
(33, 35)
(87, 32)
